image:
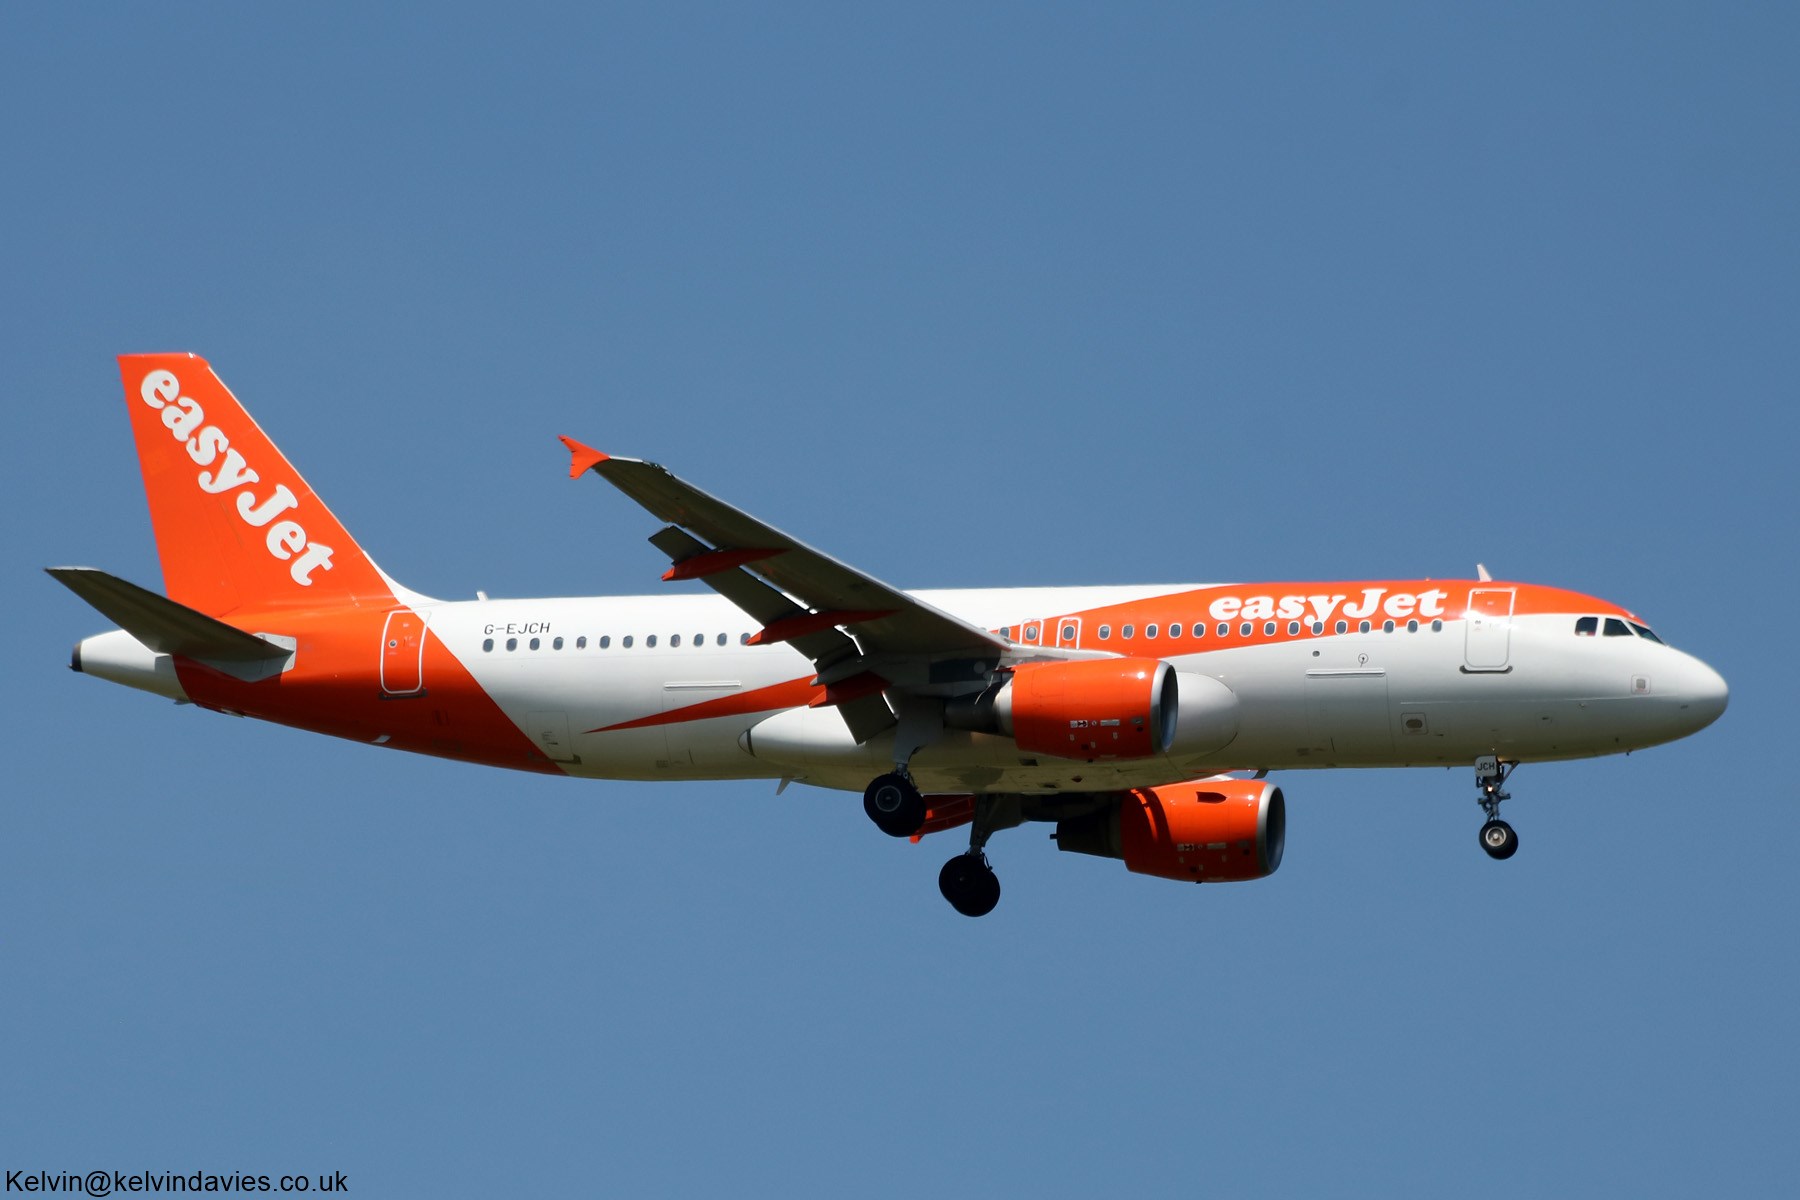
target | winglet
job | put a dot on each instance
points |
(584, 457)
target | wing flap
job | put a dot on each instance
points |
(757, 599)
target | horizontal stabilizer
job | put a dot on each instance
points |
(163, 625)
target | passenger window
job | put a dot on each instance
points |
(1363, 628)
(1587, 626)
(1127, 631)
(721, 639)
(743, 639)
(512, 643)
(1175, 630)
(674, 639)
(1293, 628)
(1105, 632)
(1031, 633)
(1616, 628)
(1268, 629)
(605, 641)
(1387, 627)
(557, 644)
(581, 642)
(1068, 633)
(1318, 627)
(1150, 631)
(1343, 627)
(1224, 630)
(1437, 626)
(487, 645)
(650, 642)
(534, 643)
(1643, 631)
(1246, 629)
(625, 641)
(1412, 627)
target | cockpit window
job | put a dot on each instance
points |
(1616, 628)
(1587, 626)
(1643, 631)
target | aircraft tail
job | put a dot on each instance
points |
(236, 526)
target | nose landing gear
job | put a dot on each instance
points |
(1497, 837)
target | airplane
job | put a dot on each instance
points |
(1142, 721)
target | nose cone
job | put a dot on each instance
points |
(1704, 693)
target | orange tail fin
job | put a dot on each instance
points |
(236, 526)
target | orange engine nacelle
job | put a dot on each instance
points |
(1207, 831)
(1103, 708)
(1109, 708)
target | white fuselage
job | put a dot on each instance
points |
(566, 670)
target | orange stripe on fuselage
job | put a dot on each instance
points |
(790, 694)
(334, 687)
(1285, 604)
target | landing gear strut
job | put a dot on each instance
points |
(893, 801)
(1497, 837)
(967, 881)
(894, 804)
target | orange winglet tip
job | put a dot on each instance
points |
(584, 458)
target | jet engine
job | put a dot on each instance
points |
(1103, 708)
(1207, 831)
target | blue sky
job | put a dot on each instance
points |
(1028, 295)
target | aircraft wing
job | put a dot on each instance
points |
(851, 625)
(883, 618)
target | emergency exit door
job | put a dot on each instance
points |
(1488, 640)
(403, 654)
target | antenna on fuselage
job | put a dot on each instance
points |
(1481, 573)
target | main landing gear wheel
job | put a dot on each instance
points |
(1499, 840)
(895, 805)
(969, 884)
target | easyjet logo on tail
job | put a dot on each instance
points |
(208, 446)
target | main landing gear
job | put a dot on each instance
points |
(967, 881)
(893, 801)
(894, 804)
(969, 884)
(1497, 837)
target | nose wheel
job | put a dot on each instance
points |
(1497, 837)
(1499, 840)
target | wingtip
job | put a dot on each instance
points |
(583, 458)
